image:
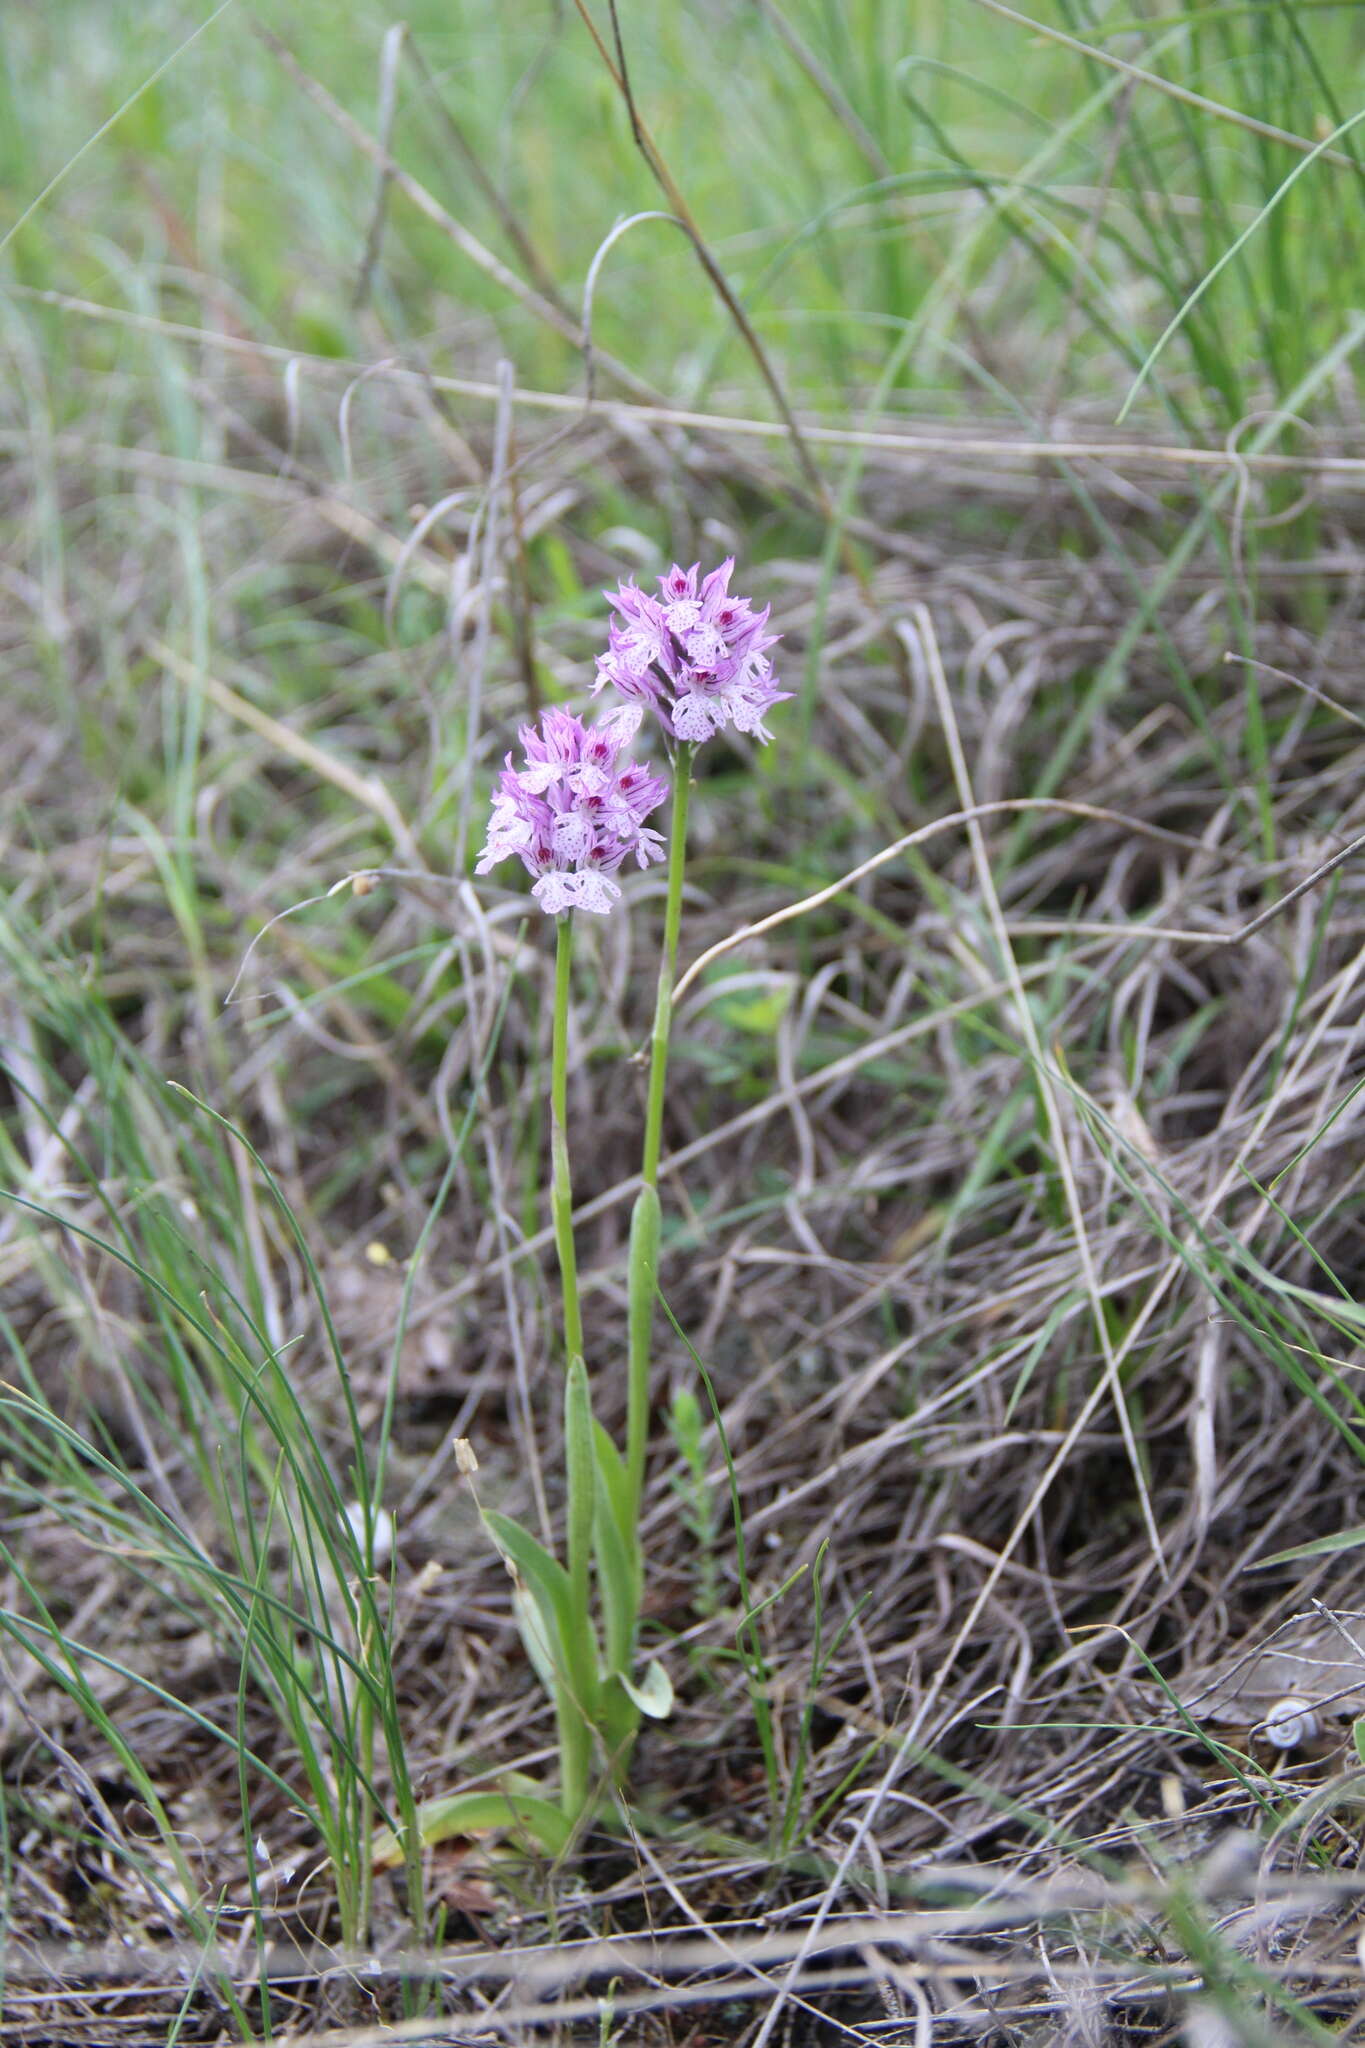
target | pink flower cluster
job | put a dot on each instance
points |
(694, 654)
(575, 812)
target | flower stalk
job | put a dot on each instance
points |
(561, 1185)
(645, 1220)
(668, 967)
(575, 1674)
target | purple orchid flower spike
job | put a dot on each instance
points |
(575, 812)
(695, 655)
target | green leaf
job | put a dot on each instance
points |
(535, 1639)
(510, 1810)
(545, 1578)
(580, 1640)
(618, 1583)
(642, 1285)
(1322, 1546)
(646, 1224)
(581, 1474)
(684, 1420)
(1333, 1308)
(1358, 1737)
(758, 1011)
(654, 1694)
(618, 1723)
(618, 1552)
(615, 1484)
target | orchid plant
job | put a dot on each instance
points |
(696, 660)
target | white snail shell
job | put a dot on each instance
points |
(1290, 1723)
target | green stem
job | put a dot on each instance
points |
(561, 1191)
(574, 1685)
(663, 1002)
(644, 1226)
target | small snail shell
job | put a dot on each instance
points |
(1290, 1723)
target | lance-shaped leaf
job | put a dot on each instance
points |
(618, 1560)
(509, 1811)
(545, 1579)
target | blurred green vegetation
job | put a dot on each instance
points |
(864, 172)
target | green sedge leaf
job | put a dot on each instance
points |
(1322, 1546)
